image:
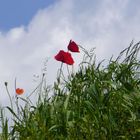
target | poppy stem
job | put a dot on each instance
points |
(72, 70)
(16, 98)
(68, 70)
(60, 72)
(17, 105)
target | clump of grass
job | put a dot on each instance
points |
(94, 103)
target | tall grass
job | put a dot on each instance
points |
(96, 102)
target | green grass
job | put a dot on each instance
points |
(97, 102)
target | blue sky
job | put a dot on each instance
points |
(15, 13)
(34, 30)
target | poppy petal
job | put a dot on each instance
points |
(64, 57)
(73, 47)
(19, 91)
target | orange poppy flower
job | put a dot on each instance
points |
(19, 91)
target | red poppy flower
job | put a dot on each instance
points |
(73, 47)
(19, 91)
(64, 57)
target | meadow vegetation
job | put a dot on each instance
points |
(98, 102)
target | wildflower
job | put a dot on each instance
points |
(64, 57)
(73, 47)
(19, 91)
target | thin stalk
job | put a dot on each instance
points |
(60, 73)
(41, 85)
(9, 95)
(68, 70)
(18, 111)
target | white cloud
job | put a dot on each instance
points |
(103, 24)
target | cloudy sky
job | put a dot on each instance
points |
(32, 31)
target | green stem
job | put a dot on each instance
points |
(9, 96)
(60, 72)
(68, 70)
(16, 99)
